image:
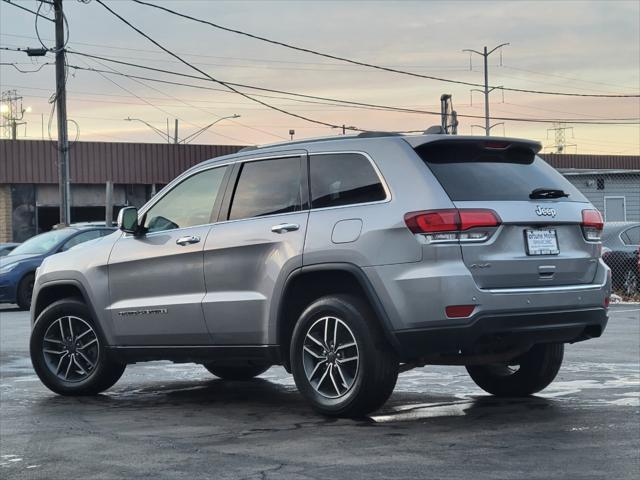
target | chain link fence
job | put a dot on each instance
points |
(615, 192)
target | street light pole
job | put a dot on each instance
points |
(485, 54)
(203, 129)
(164, 135)
(61, 105)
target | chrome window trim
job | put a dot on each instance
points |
(548, 289)
(248, 160)
(224, 222)
(377, 171)
(188, 174)
(183, 177)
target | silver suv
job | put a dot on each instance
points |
(346, 260)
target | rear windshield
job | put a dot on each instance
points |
(470, 172)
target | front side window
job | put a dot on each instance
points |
(81, 238)
(188, 204)
(343, 179)
(267, 187)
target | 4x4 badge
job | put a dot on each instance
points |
(545, 212)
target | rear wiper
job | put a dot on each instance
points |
(547, 193)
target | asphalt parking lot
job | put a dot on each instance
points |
(166, 420)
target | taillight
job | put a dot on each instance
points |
(459, 311)
(453, 224)
(592, 224)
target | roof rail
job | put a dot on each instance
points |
(378, 134)
(248, 149)
(435, 130)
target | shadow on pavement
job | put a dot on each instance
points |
(265, 399)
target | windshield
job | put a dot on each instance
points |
(41, 243)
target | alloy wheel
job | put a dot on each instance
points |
(330, 357)
(71, 349)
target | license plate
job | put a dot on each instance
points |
(542, 242)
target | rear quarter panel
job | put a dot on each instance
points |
(384, 238)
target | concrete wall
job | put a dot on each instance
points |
(5, 214)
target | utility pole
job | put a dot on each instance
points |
(61, 105)
(448, 116)
(561, 144)
(12, 113)
(485, 54)
(175, 134)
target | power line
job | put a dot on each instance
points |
(369, 65)
(345, 102)
(28, 10)
(573, 79)
(249, 59)
(327, 100)
(228, 86)
(150, 103)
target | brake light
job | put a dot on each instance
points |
(453, 224)
(495, 145)
(592, 224)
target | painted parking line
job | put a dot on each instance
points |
(624, 311)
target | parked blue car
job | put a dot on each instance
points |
(17, 269)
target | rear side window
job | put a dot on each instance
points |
(343, 179)
(631, 236)
(468, 172)
(267, 187)
(81, 238)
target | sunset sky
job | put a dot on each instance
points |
(566, 46)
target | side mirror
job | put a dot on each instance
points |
(128, 220)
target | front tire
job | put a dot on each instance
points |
(525, 375)
(340, 360)
(68, 351)
(236, 372)
(25, 291)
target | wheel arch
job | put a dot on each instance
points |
(309, 283)
(51, 292)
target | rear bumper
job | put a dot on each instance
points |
(415, 297)
(489, 331)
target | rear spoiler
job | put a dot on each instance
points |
(485, 143)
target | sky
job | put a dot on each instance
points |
(567, 46)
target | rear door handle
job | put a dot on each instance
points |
(285, 227)
(182, 241)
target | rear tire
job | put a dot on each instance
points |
(536, 370)
(87, 367)
(340, 360)
(25, 291)
(236, 372)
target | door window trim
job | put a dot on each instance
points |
(377, 171)
(217, 202)
(232, 185)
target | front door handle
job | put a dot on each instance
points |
(285, 227)
(182, 241)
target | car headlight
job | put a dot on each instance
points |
(8, 268)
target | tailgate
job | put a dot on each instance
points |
(540, 240)
(522, 253)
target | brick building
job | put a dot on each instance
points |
(29, 190)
